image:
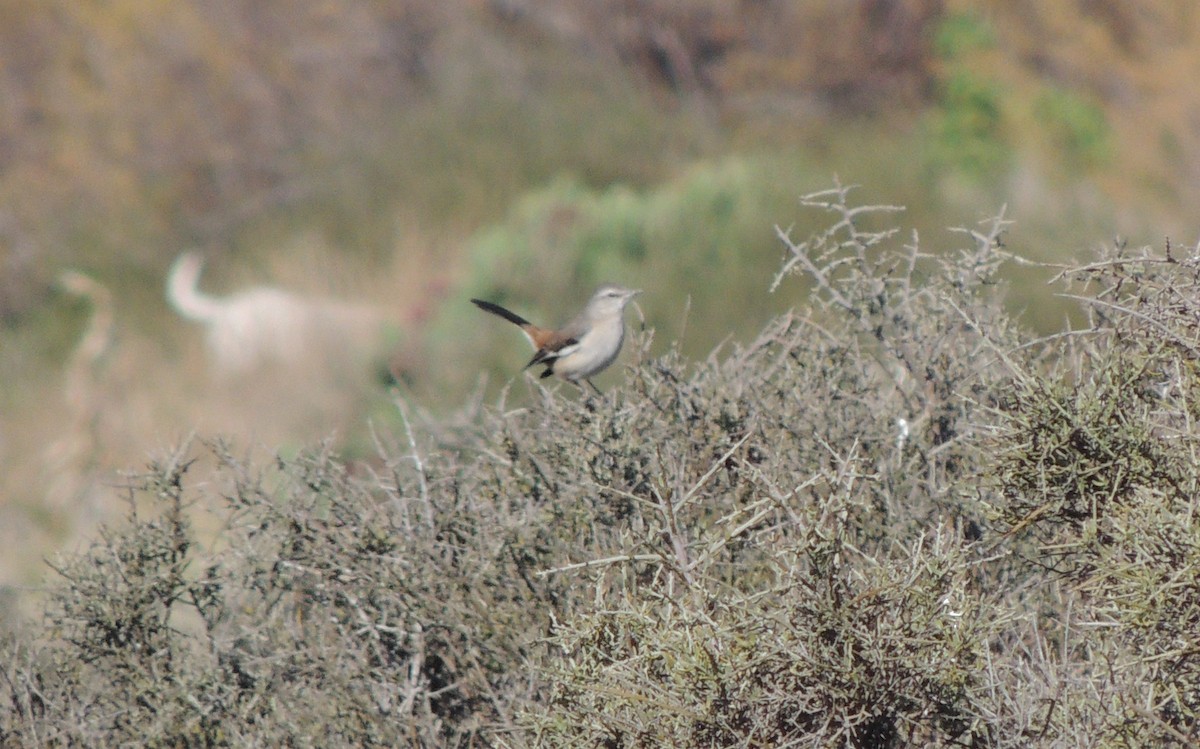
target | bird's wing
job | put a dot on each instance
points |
(552, 347)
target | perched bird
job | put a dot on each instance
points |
(585, 345)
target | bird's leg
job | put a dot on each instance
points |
(589, 401)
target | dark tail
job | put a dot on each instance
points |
(496, 309)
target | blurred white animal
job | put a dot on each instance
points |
(263, 324)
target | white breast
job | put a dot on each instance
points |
(596, 350)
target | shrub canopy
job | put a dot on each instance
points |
(895, 518)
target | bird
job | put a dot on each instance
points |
(585, 345)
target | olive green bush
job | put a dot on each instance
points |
(1098, 463)
(894, 518)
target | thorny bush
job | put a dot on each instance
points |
(895, 518)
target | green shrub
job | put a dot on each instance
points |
(1076, 126)
(967, 123)
(1097, 461)
(960, 33)
(967, 118)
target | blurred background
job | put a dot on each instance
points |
(351, 171)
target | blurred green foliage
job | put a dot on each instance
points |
(698, 225)
(959, 33)
(1077, 126)
(967, 118)
(967, 125)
